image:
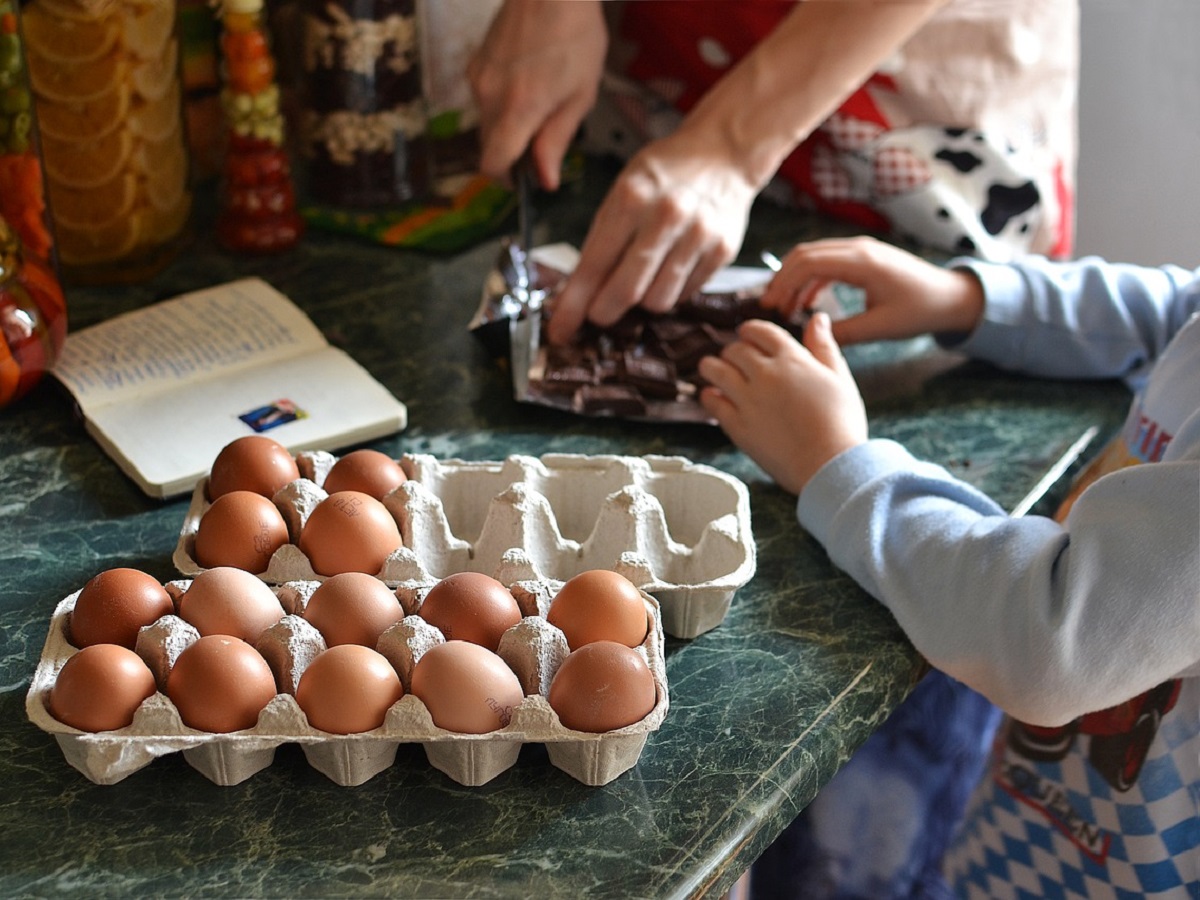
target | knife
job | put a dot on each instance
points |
(523, 174)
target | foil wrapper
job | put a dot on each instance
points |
(641, 368)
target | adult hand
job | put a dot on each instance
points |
(791, 407)
(675, 215)
(535, 77)
(905, 295)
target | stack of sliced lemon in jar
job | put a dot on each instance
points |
(106, 83)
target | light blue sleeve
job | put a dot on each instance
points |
(1047, 621)
(1084, 319)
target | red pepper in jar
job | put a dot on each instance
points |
(248, 58)
(258, 200)
(33, 313)
(33, 317)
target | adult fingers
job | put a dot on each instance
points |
(716, 255)
(552, 140)
(606, 242)
(620, 257)
(501, 145)
(679, 269)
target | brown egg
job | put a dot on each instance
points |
(353, 608)
(348, 689)
(100, 688)
(114, 605)
(599, 605)
(602, 686)
(230, 601)
(466, 688)
(471, 606)
(349, 532)
(252, 463)
(368, 471)
(220, 684)
(241, 529)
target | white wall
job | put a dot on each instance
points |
(1139, 131)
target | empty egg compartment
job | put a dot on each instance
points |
(533, 649)
(681, 529)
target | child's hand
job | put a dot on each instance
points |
(791, 408)
(906, 296)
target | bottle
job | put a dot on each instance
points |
(258, 202)
(364, 116)
(106, 86)
(33, 312)
(200, 73)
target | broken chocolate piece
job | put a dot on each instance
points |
(610, 399)
(692, 345)
(567, 379)
(608, 371)
(652, 376)
(718, 309)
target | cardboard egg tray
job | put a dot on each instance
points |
(533, 649)
(680, 531)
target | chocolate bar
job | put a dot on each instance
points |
(653, 376)
(645, 363)
(687, 343)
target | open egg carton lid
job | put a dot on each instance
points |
(533, 648)
(680, 530)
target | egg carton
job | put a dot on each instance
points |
(681, 529)
(533, 648)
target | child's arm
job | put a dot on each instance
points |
(1089, 318)
(1084, 319)
(1049, 621)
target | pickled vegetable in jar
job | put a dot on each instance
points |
(33, 317)
(258, 201)
(22, 189)
(33, 313)
(108, 97)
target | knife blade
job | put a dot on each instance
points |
(523, 185)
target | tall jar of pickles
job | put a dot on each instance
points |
(108, 95)
(33, 313)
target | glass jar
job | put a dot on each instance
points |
(108, 95)
(33, 313)
(258, 202)
(451, 31)
(363, 119)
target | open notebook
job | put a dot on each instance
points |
(162, 389)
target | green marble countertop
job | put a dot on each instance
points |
(764, 709)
